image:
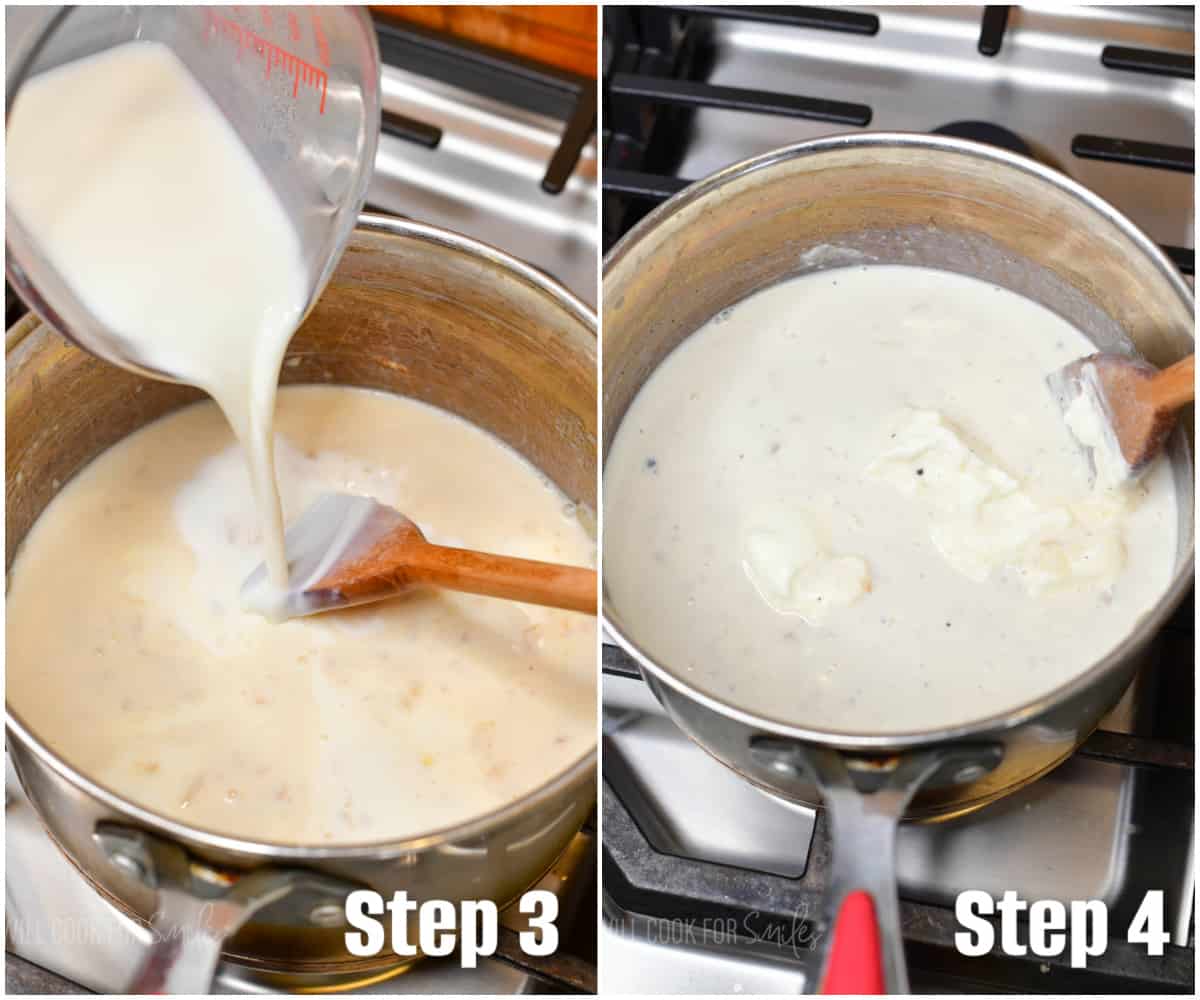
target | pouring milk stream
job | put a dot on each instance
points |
(212, 299)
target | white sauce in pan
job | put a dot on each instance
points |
(127, 650)
(851, 502)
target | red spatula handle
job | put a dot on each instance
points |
(855, 954)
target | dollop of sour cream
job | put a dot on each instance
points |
(794, 571)
(984, 521)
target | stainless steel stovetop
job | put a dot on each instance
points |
(688, 846)
(483, 179)
(923, 70)
(484, 176)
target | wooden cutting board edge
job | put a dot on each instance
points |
(563, 36)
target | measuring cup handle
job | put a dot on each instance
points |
(854, 965)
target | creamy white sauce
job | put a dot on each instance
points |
(768, 536)
(147, 203)
(128, 652)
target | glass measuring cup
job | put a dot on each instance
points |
(299, 85)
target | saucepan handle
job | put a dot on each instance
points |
(865, 798)
(185, 945)
(854, 960)
(198, 906)
(864, 952)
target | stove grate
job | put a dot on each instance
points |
(823, 18)
(649, 85)
(1138, 154)
(521, 82)
(1149, 61)
(403, 127)
(992, 29)
(662, 90)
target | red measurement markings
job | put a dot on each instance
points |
(294, 27)
(322, 42)
(271, 54)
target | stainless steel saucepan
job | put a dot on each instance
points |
(907, 199)
(412, 310)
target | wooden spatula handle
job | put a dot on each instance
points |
(1172, 387)
(570, 587)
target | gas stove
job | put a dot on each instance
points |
(1104, 94)
(711, 885)
(502, 150)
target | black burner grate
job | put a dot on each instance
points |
(482, 70)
